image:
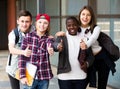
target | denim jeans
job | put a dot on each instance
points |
(38, 84)
(72, 84)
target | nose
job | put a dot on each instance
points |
(71, 26)
(85, 16)
(24, 23)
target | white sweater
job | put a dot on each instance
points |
(91, 39)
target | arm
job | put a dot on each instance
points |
(49, 46)
(82, 56)
(86, 57)
(13, 49)
(93, 37)
(22, 63)
(60, 33)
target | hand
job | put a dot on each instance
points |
(50, 49)
(24, 80)
(27, 52)
(60, 46)
(60, 33)
(84, 66)
(83, 45)
(51, 36)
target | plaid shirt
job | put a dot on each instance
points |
(39, 56)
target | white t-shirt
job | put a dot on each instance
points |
(73, 47)
(11, 69)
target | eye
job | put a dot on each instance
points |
(45, 22)
(40, 22)
(83, 14)
(22, 21)
(88, 15)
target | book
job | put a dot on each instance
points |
(30, 73)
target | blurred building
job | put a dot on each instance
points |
(107, 13)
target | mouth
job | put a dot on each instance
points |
(72, 30)
(85, 21)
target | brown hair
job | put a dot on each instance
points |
(24, 13)
(48, 30)
(93, 18)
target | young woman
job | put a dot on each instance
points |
(90, 32)
(37, 41)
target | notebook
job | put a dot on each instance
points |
(30, 73)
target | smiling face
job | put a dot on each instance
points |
(72, 26)
(24, 23)
(42, 26)
(85, 18)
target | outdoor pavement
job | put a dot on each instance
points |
(4, 81)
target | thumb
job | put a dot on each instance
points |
(61, 41)
(28, 46)
(81, 41)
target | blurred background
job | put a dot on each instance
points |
(106, 11)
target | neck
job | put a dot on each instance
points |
(84, 26)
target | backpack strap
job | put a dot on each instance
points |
(16, 41)
(16, 35)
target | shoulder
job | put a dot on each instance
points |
(97, 27)
(31, 34)
(14, 32)
(11, 37)
(11, 33)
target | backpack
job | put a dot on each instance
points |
(107, 43)
(16, 41)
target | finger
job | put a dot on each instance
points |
(28, 46)
(61, 41)
(50, 36)
(48, 45)
(81, 41)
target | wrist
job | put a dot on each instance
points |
(23, 52)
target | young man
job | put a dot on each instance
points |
(24, 22)
(74, 58)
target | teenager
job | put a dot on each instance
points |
(71, 73)
(103, 63)
(24, 21)
(38, 42)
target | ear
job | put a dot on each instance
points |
(31, 22)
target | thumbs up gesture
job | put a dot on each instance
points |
(83, 45)
(27, 51)
(50, 49)
(60, 46)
